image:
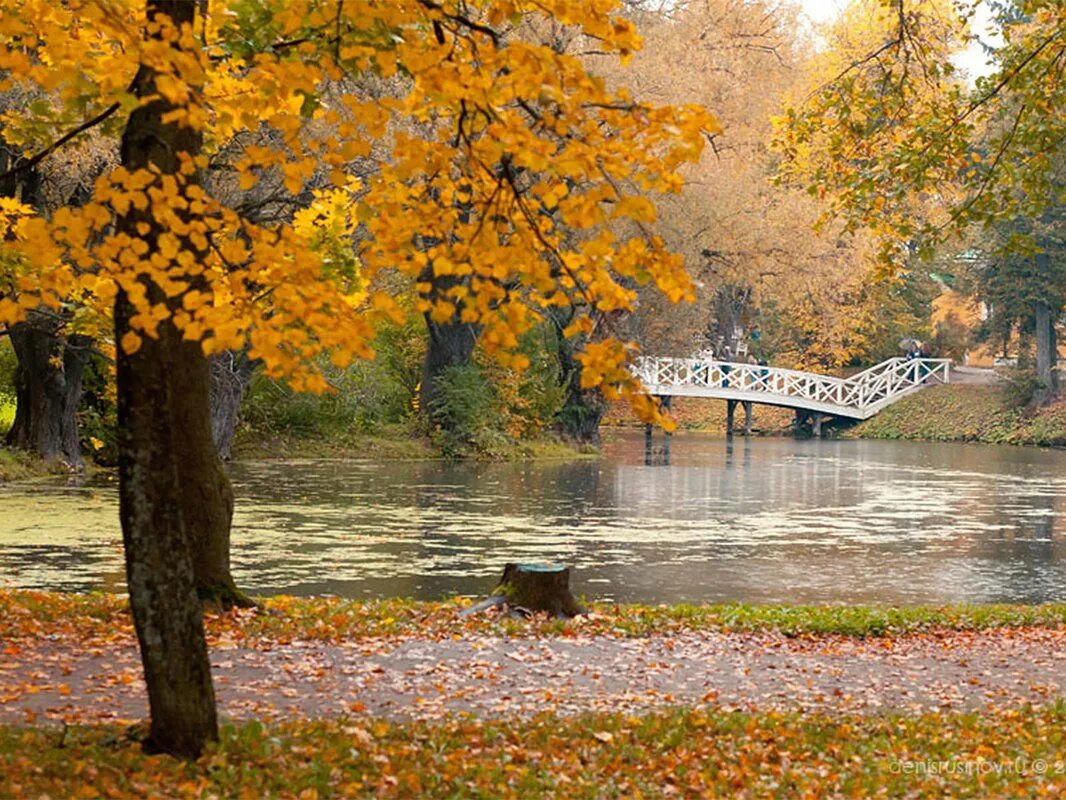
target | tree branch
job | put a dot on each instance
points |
(62, 140)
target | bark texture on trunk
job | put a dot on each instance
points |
(230, 374)
(206, 494)
(163, 430)
(48, 388)
(159, 569)
(51, 365)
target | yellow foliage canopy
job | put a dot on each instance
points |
(504, 161)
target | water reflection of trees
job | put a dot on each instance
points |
(757, 520)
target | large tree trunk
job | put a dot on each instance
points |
(161, 387)
(50, 368)
(159, 569)
(48, 388)
(206, 494)
(230, 374)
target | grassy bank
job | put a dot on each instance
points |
(952, 413)
(91, 616)
(684, 752)
(18, 465)
(390, 443)
(694, 750)
(964, 413)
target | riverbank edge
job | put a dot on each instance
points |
(397, 444)
(951, 413)
(19, 465)
(965, 413)
(25, 612)
(962, 413)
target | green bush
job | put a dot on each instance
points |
(7, 386)
(365, 396)
(466, 416)
(531, 400)
(1020, 384)
(98, 414)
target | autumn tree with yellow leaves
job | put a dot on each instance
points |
(498, 147)
(897, 141)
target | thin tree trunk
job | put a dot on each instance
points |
(230, 374)
(48, 388)
(162, 387)
(1046, 354)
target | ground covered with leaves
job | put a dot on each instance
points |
(677, 752)
(326, 697)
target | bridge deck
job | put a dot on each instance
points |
(857, 397)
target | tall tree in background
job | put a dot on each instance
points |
(51, 359)
(898, 125)
(812, 291)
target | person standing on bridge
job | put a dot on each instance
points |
(924, 369)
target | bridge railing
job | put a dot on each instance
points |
(867, 389)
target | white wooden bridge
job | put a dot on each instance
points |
(857, 397)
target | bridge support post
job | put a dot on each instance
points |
(647, 445)
(816, 425)
(802, 415)
(665, 403)
(730, 416)
(748, 414)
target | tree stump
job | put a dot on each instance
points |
(526, 589)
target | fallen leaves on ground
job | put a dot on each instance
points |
(333, 698)
(102, 617)
(73, 659)
(682, 753)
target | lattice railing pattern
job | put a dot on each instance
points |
(864, 393)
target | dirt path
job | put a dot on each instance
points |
(488, 676)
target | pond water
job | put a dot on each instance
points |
(763, 520)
